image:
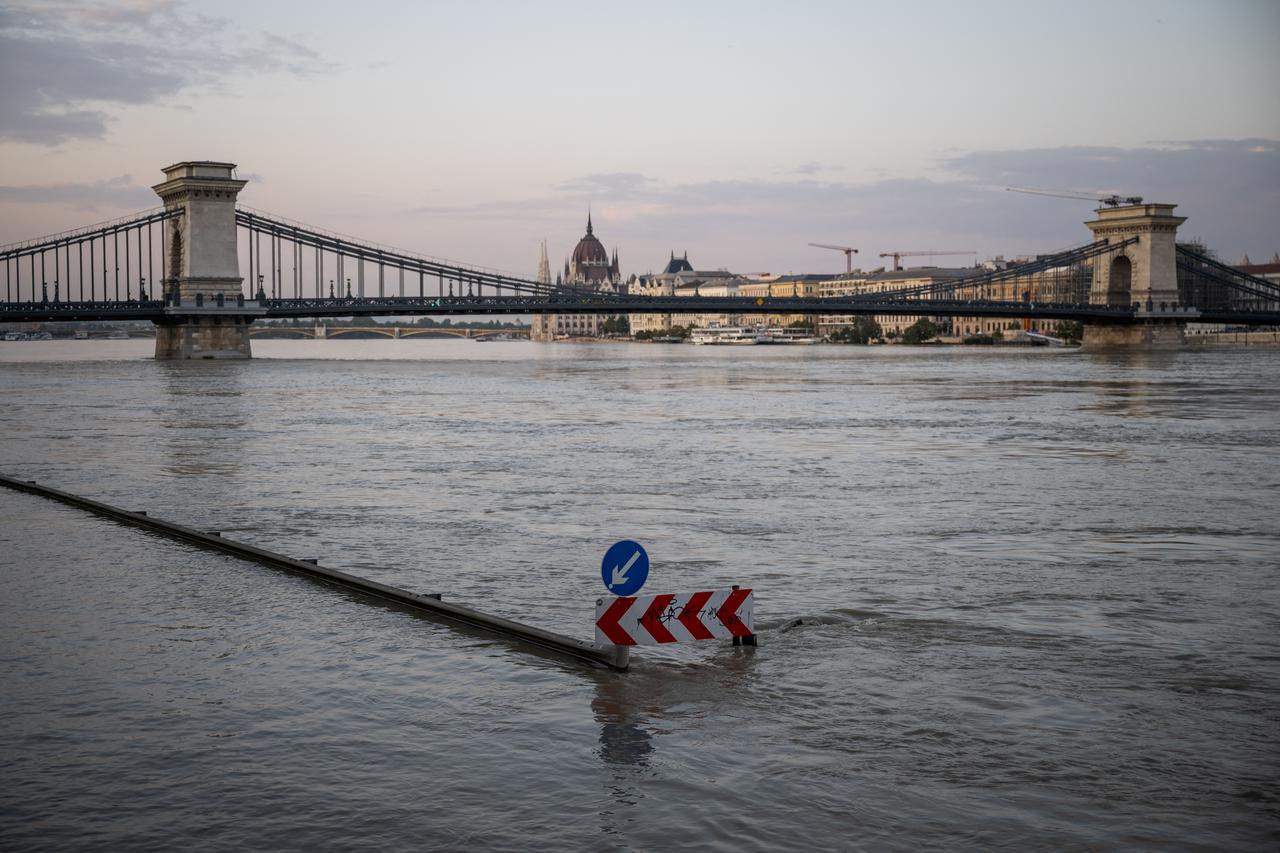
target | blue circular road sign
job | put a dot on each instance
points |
(625, 568)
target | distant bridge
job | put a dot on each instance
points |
(180, 267)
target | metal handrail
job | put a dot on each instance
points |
(35, 243)
(366, 243)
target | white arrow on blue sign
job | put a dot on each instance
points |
(625, 568)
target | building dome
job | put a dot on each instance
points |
(590, 251)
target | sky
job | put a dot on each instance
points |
(738, 132)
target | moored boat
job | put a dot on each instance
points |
(727, 335)
(779, 335)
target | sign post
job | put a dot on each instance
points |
(653, 620)
(625, 568)
(629, 620)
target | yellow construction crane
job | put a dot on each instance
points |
(898, 256)
(849, 252)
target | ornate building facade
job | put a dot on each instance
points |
(589, 269)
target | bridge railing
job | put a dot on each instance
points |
(1063, 277)
(1210, 284)
(80, 264)
(324, 263)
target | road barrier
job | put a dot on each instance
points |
(427, 603)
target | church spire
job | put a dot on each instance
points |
(544, 268)
(588, 219)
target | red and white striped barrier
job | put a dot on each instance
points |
(651, 620)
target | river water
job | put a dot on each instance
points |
(1037, 593)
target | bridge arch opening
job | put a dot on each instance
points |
(175, 254)
(1120, 281)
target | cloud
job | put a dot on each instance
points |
(1228, 189)
(65, 65)
(812, 167)
(1169, 170)
(116, 192)
(497, 210)
(615, 184)
(98, 13)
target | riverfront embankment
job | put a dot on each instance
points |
(1257, 338)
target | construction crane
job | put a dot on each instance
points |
(1112, 200)
(849, 252)
(898, 256)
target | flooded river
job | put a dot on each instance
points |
(1037, 593)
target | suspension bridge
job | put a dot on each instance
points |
(180, 267)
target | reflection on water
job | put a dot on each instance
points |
(1008, 600)
(624, 738)
(203, 418)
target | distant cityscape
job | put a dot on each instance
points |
(592, 268)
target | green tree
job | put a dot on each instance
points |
(920, 331)
(619, 325)
(863, 330)
(1069, 330)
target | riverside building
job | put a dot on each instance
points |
(588, 269)
(680, 279)
(880, 282)
(1052, 285)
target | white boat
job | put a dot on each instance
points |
(779, 335)
(14, 336)
(1039, 339)
(81, 335)
(118, 335)
(727, 335)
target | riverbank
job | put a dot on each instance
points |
(1251, 338)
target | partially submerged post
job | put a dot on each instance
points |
(749, 639)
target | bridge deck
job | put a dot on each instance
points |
(487, 305)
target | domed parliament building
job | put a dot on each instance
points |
(589, 268)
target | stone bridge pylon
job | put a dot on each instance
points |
(205, 313)
(1144, 274)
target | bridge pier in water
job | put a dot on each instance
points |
(205, 312)
(1143, 275)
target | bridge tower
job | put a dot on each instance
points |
(206, 315)
(1143, 274)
